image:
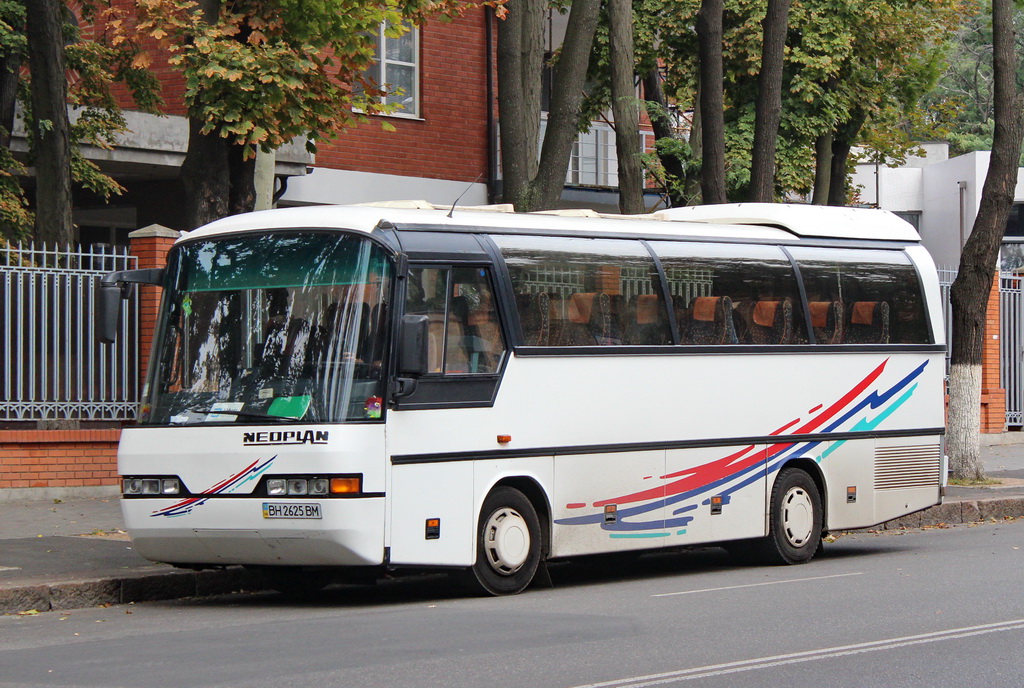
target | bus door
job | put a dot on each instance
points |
(442, 425)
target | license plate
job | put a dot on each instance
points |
(275, 510)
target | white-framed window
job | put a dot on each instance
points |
(397, 69)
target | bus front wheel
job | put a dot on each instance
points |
(508, 544)
(794, 529)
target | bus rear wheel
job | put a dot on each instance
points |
(508, 544)
(794, 528)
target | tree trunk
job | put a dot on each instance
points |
(205, 174)
(10, 63)
(769, 102)
(712, 101)
(970, 290)
(822, 169)
(675, 171)
(520, 64)
(693, 173)
(628, 142)
(51, 133)
(837, 172)
(242, 181)
(567, 84)
(842, 142)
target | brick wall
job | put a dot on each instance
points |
(993, 397)
(449, 139)
(58, 458)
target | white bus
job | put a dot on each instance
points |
(362, 389)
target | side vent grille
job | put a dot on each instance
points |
(902, 467)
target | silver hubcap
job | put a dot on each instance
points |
(797, 516)
(507, 541)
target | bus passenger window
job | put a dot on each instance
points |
(863, 297)
(753, 290)
(585, 292)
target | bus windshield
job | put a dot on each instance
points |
(278, 327)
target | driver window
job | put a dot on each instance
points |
(464, 336)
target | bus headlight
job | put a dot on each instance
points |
(313, 487)
(150, 486)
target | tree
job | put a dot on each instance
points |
(530, 183)
(962, 98)
(768, 108)
(258, 74)
(50, 135)
(970, 290)
(16, 221)
(839, 55)
(712, 101)
(624, 108)
(68, 68)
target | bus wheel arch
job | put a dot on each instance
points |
(813, 469)
(511, 538)
(796, 514)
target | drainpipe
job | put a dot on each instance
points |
(963, 211)
(492, 128)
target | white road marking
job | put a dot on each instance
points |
(756, 585)
(808, 656)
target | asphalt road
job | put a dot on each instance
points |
(940, 607)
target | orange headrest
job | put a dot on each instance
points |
(704, 308)
(819, 312)
(764, 313)
(647, 309)
(863, 313)
(580, 306)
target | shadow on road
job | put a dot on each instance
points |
(571, 573)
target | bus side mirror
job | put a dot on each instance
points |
(114, 287)
(413, 358)
(108, 312)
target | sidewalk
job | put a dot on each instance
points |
(72, 554)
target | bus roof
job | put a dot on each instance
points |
(753, 221)
(803, 220)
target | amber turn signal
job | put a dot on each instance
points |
(504, 439)
(346, 485)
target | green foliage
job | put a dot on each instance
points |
(266, 72)
(15, 218)
(846, 61)
(95, 63)
(962, 99)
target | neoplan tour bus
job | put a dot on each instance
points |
(357, 390)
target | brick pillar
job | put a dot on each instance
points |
(993, 397)
(150, 245)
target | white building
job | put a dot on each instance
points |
(940, 196)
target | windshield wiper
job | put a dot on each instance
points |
(243, 414)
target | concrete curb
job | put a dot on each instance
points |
(964, 511)
(175, 584)
(168, 585)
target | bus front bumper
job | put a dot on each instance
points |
(258, 531)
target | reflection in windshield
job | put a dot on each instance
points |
(272, 328)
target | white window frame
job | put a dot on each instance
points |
(381, 63)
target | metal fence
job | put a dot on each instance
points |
(946, 277)
(1011, 345)
(1011, 338)
(51, 366)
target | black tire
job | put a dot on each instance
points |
(508, 546)
(795, 522)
